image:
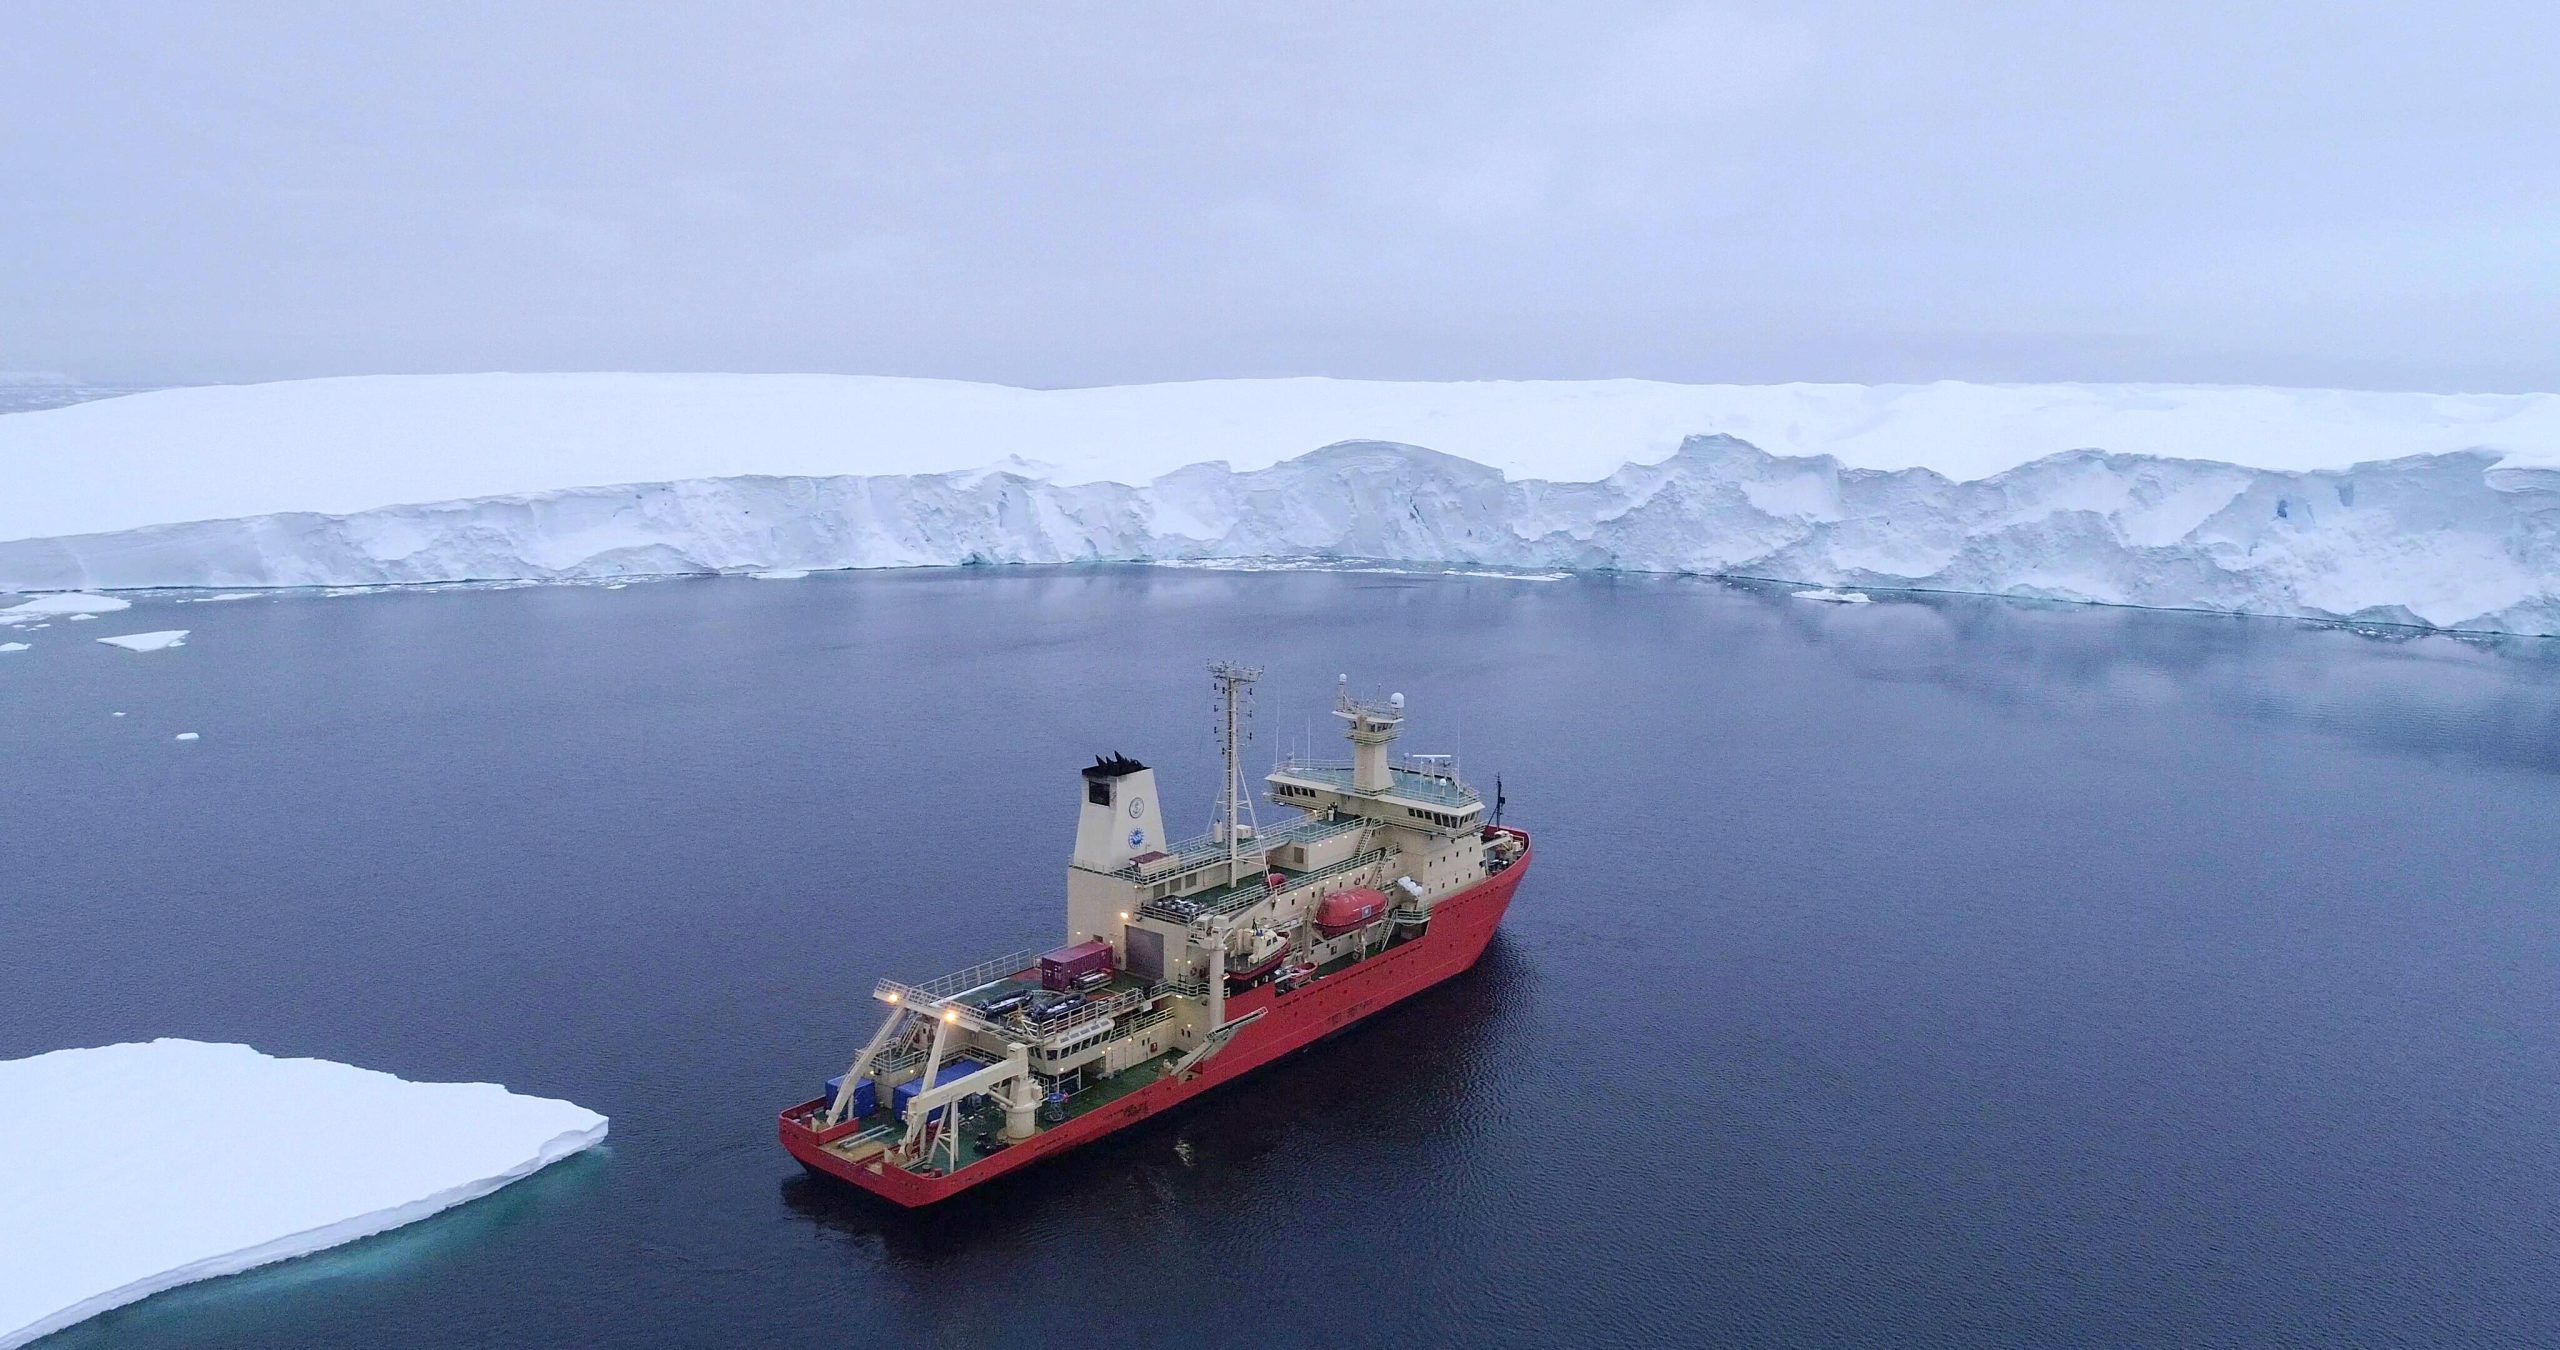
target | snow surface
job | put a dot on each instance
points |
(2441, 510)
(108, 1200)
(48, 606)
(150, 642)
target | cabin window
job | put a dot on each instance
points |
(1097, 791)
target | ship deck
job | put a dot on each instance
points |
(1028, 982)
(882, 1127)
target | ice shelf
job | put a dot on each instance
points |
(140, 1167)
(2387, 507)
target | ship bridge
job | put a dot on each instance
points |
(1420, 792)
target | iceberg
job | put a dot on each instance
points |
(278, 1158)
(160, 641)
(51, 606)
(2430, 510)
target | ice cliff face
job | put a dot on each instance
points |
(2466, 539)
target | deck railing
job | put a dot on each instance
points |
(1246, 894)
(1420, 777)
(1208, 849)
(935, 990)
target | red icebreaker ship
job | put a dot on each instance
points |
(1186, 964)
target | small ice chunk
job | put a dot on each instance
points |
(66, 602)
(119, 714)
(150, 642)
(217, 599)
(12, 646)
(181, 736)
(82, 618)
(258, 1159)
(1830, 597)
(781, 574)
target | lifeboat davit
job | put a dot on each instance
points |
(1344, 911)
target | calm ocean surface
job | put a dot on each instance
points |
(1932, 972)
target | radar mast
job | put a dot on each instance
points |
(1235, 805)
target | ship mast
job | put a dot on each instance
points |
(1235, 700)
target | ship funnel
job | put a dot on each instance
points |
(1119, 818)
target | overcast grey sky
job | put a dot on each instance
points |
(1067, 193)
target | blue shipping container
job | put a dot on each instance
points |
(866, 1094)
(906, 1093)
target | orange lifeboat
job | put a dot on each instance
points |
(1343, 911)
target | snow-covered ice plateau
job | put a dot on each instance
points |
(106, 1203)
(2437, 510)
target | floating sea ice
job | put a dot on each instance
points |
(264, 1159)
(216, 599)
(781, 574)
(19, 647)
(67, 602)
(181, 736)
(150, 642)
(1831, 597)
(82, 618)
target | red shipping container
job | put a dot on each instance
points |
(1062, 968)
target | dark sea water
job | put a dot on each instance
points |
(1933, 972)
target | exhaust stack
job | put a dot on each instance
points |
(1120, 817)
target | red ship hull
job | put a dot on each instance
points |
(1460, 927)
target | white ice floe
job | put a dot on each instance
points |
(246, 1159)
(1833, 597)
(781, 574)
(2374, 507)
(81, 618)
(186, 736)
(150, 642)
(12, 646)
(218, 599)
(52, 606)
